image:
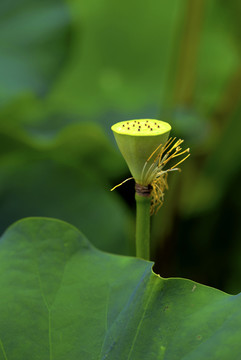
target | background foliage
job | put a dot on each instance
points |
(70, 69)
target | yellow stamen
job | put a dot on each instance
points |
(180, 161)
(121, 183)
(154, 152)
(183, 152)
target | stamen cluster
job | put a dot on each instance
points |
(155, 174)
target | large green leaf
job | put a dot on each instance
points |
(63, 299)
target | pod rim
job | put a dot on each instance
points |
(141, 127)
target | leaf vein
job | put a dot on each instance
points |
(49, 314)
(140, 323)
(3, 350)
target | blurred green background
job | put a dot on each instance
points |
(70, 69)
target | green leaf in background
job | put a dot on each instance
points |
(121, 52)
(33, 44)
(65, 174)
(218, 171)
(63, 299)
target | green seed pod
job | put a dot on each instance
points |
(137, 140)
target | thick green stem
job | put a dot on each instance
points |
(143, 204)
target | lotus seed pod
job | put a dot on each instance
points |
(137, 140)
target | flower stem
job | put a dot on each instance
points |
(143, 226)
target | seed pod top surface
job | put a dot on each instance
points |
(137, 139)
